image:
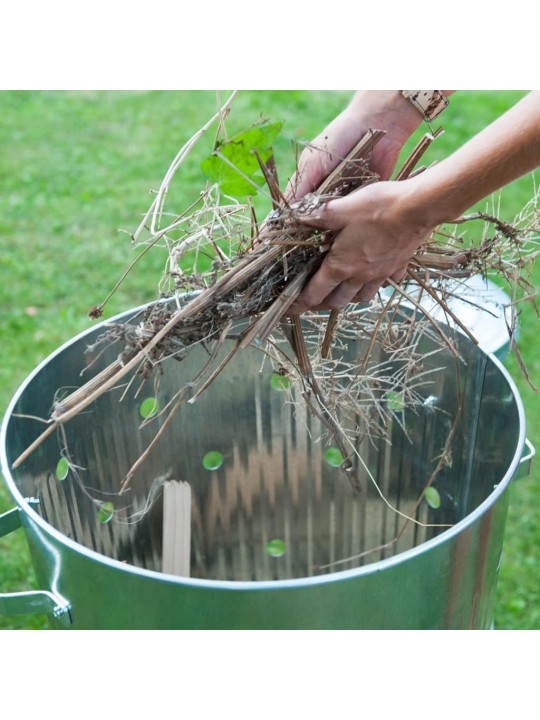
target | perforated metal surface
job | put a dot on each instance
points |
(273, 483)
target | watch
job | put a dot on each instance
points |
(430, 103)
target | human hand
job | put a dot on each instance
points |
(384, 110)
(377, 230)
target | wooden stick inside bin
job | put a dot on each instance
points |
(176, 528)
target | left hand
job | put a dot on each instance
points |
(385, 110)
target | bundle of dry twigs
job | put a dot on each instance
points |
(255, 277)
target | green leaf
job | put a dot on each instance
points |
(230, 180)
(234, 165)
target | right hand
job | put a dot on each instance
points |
(376, 231)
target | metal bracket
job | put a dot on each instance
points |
(37, 601)
(33, 601)
(524, 467)
(10, 521)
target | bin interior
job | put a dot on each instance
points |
(268, 502)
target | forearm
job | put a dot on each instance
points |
(504, 151)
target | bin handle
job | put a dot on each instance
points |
(33, 601)
(524, 467)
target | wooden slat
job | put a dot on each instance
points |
(176, 528)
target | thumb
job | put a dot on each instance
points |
(299, 185)
(325, 215)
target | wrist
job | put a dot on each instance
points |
(388, 110)
(433, 198)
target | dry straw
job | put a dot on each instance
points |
(257, 271)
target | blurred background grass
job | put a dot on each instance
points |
(76, 168)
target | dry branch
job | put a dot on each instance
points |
(257, 283)
(267, 254)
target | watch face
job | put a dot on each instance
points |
(429, 102)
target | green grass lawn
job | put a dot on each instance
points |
(77, 167)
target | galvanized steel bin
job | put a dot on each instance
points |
(277, 537)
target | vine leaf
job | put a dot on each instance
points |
(234, 164)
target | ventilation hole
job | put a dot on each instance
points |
(280, 382)
(212, 460)
(432, 498)
(333, 457)
(276, 548)
(105, 512)
(149, 407)
(395, 401)
(62, 469)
